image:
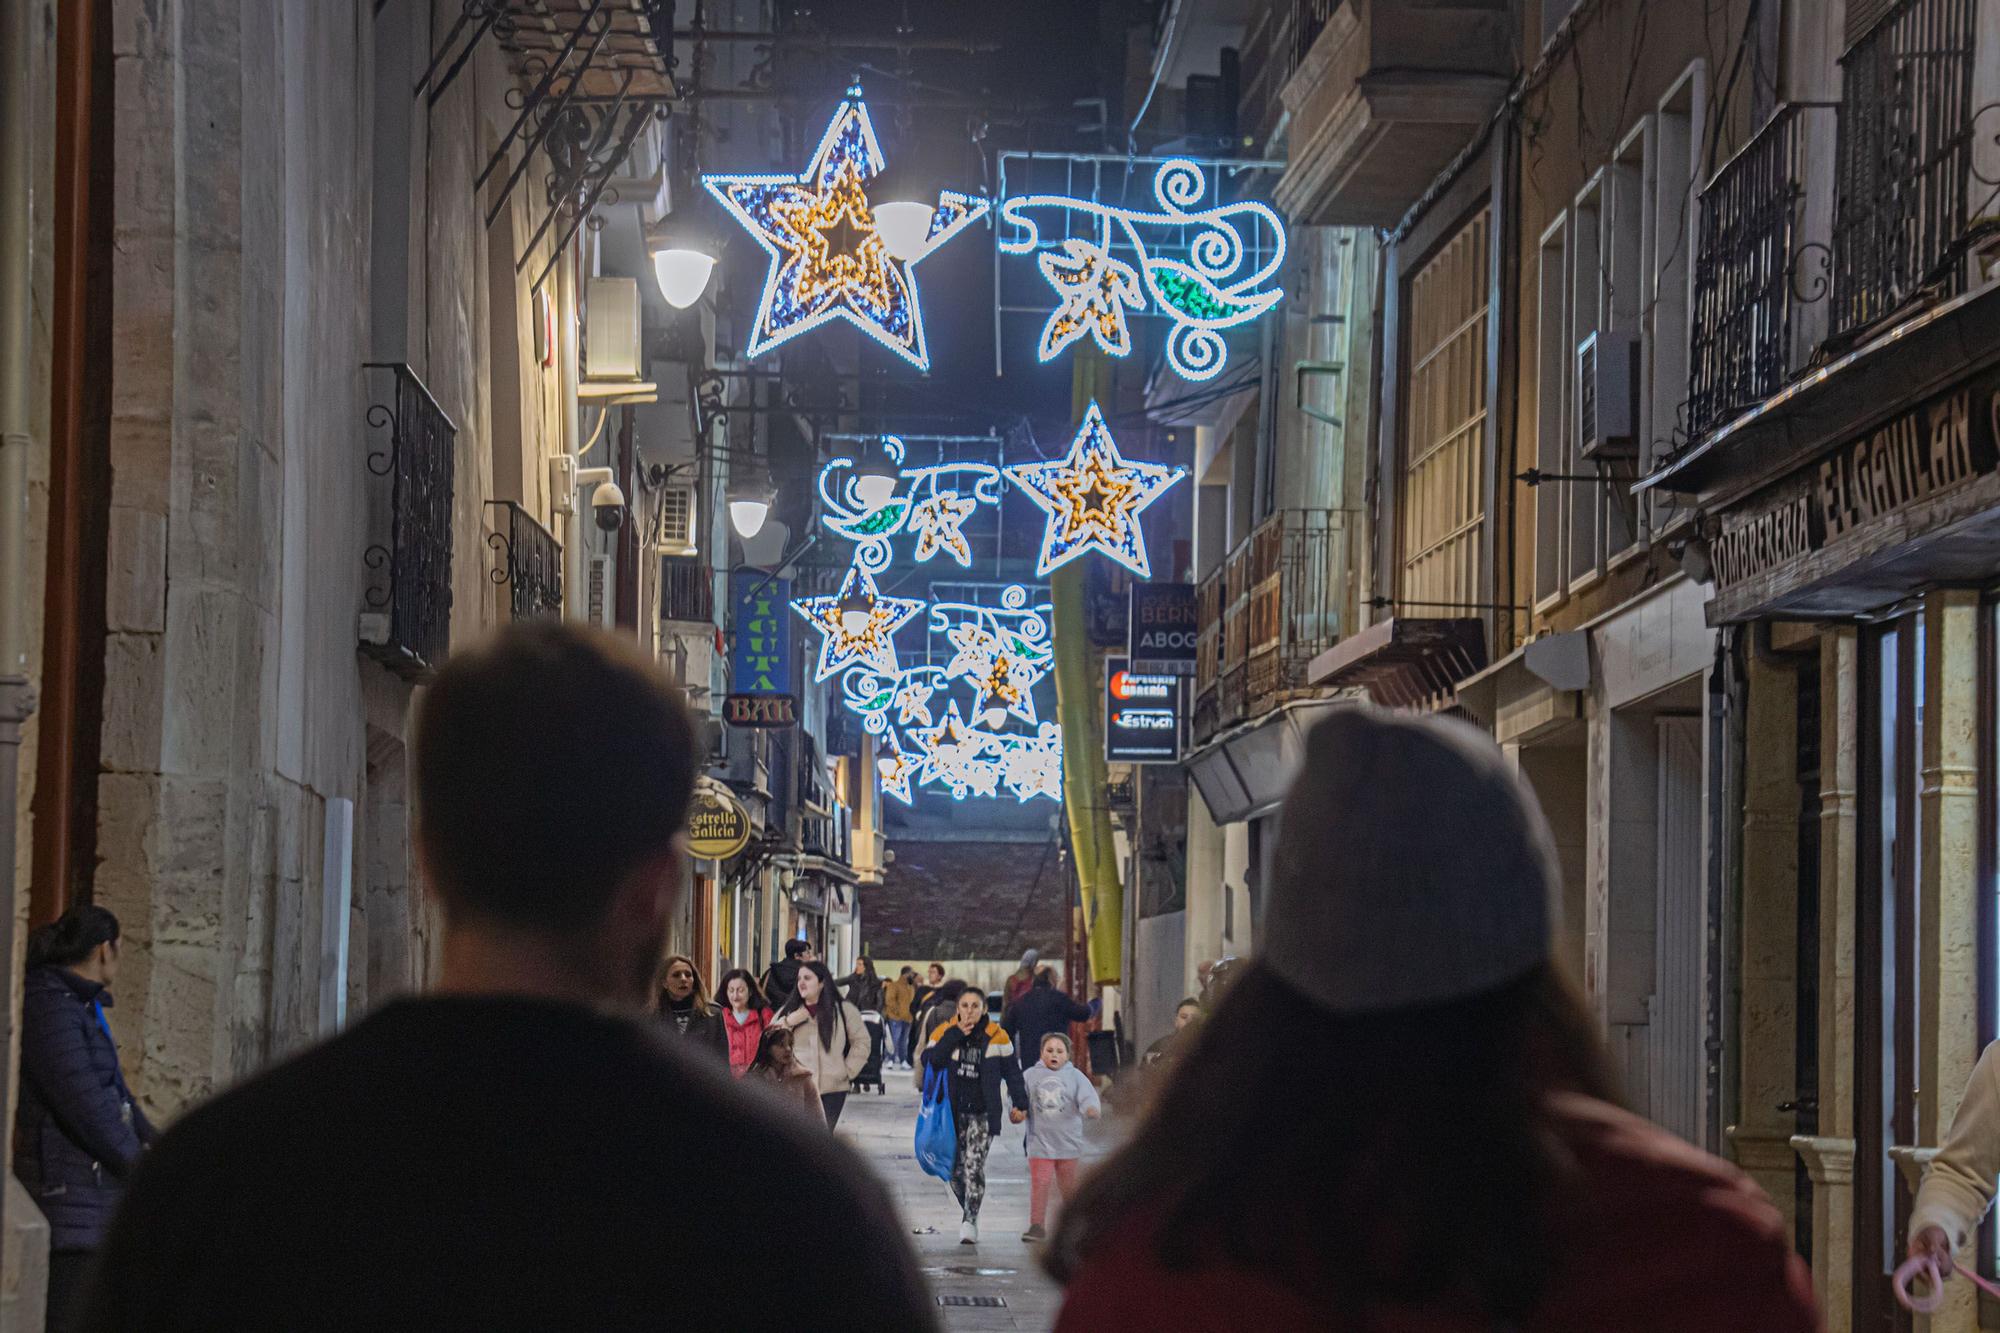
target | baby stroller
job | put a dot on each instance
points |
(878, 1045)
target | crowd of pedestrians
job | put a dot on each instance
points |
(1396, 1117)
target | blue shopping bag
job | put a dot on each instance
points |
(937, 1136)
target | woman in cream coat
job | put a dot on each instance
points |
(828, 1036)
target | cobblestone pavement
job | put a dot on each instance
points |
(1000, 1267)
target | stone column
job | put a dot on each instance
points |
(1948, 909)
(1768, 1047)
(1829, 1156)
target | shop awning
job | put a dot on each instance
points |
(1404, 662)
(1243, 773)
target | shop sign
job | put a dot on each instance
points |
(1142, 715)
(1162, 628)
(761, 710)
(761, 660)
(1916, 457)
(718, 826)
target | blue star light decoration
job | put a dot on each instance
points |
(874, 647)
(1093, 499)
(827, 260)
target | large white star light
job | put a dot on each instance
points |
(874, 646)
(1093, 498)
(827, 259)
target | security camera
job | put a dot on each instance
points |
(607, 505)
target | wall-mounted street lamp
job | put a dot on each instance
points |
(747, 513)
(683, 260)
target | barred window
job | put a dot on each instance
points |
(1442, 501)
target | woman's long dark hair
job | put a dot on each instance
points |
(71, 937)
(757, 1000)
(1395, 1158)
(866, 966)
(830, 1011)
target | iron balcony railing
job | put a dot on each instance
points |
(406, 612)
(687, 591)
(1263, 615)
(1904, 162)
(1749, 270)
(530, 566)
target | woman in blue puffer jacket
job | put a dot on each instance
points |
(80, 1131)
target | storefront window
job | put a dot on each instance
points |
(1886, 944)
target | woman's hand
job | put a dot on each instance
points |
(1017, 1115)
(967, 1023)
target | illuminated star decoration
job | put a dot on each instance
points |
(875, 646)
(1093, 498)
(1034, 767)
(1096, 290)
(936, 522)
(951, 751)
(827, 260)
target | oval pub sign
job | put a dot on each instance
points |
(718, 827)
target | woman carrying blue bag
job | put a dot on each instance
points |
(976, 1057)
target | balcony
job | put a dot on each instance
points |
(1905, 163)
(1263, 616)
(531, 564)
(687, 592)
(406, 595)
(1756, 267)
(1388, 92)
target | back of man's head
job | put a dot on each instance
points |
(796, 949)
(552, 762)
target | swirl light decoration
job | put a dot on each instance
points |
(1001, 651)
(1093, 498)
(828, 261)
(938, 501)
(1222, 287)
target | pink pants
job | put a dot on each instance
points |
(1043, 1172)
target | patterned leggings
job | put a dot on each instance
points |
(968, 1177)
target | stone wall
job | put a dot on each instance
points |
(236, 703)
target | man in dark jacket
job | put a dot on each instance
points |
(783, 978)
(1043, 1010)
(504, 1153)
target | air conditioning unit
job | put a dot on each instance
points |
(677, 528)
(1607, 396)
(611, 329)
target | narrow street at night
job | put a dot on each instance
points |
(996, 1286)
(1302, 664)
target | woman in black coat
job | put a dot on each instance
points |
(684, 1009)
(80, 1131)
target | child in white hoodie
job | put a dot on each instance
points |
(1060, 1099)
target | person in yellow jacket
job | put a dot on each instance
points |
(1958, 1189)
(896, 998)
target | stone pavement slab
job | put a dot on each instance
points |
(999, 1266)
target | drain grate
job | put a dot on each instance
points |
(975, 1302)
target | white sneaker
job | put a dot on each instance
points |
(968, 1233)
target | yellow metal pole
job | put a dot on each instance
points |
(1079, 687)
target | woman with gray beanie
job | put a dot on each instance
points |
(1399, 1117)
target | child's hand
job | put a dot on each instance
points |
(1017, 1115)
(1092, 1113)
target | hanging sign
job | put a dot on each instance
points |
(761, 710)
(1163, 628)
(718, 826)
(761, 662)
(1142, 715)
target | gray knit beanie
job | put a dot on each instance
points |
(1413, 866)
